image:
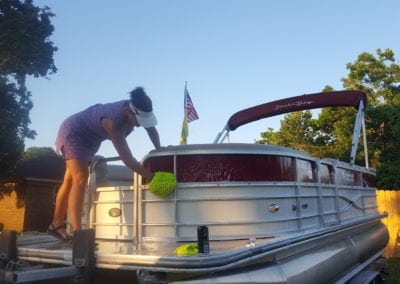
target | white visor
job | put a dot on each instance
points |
(145, 119)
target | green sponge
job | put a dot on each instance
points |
(162, 184)
(186, 249)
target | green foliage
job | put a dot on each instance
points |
(330, 135)
(296, 132)
(25, 50)
(34, 152)
(393, 271)
(40, 162)
(337, 126)
(15, 105)
(383, 124)
(378, 76)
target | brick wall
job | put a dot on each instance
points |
(11, 215)
(35, 212)
(38, 206)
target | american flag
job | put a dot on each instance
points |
(190, 112)
(190, 115)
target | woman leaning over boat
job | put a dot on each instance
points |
(80, 137)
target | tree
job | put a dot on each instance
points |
(330, 134)
(379, 77)
(295, 132)
(24, 39)
(37, 162)
(34, 152)
(384, 145)
(25, 50)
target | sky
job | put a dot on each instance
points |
(233, 54)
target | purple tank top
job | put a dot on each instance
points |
(84, 131)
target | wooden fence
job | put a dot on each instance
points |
(389, 201)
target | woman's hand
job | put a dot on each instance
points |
(121, 145)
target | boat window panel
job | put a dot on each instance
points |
(348, 177)
(326, 174)
(234, 167)
(305, 170)
(369, 180)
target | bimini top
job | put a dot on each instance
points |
(299, 103)
(356, 99)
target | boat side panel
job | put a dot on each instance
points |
(230, 212)
(242, 195)
(113, 213)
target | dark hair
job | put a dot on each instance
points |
(140, 100)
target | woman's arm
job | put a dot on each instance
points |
(154, 137)
(121, 145)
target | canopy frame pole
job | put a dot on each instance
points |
(365, 144)
(222, 135)
(359, 123)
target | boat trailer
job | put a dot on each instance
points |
(13, 270)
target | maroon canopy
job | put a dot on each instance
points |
(299, 103)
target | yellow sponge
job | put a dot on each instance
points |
(186, 249)
(162, 184)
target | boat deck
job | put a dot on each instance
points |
(127, 255)
(43, 241)
(43, 247)
(286, 258)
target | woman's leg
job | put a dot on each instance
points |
(60, 210)
(79, 172)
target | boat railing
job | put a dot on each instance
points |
(90, 220)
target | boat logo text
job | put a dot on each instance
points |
(292, 104)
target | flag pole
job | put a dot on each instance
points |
(184, 99)
(185, 126)
(190, 115)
